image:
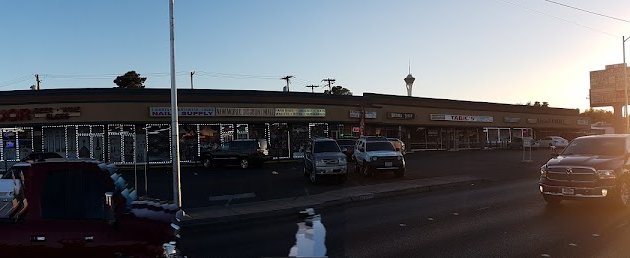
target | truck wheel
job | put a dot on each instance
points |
(622, 197)
(552, 200)
(244, 163)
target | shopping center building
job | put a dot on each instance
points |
(128, 126)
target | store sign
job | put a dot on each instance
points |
(300, 112)
(461, 118)
(260, 112)
(356, 129)
(532, 120)
(511, 119)
(24, 114)
(557, 121)
(183, 111)
(401, 116)
(582, 122)
(357, 114)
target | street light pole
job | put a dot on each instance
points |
(625, 81)
(177, 197)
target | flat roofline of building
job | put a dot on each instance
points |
(194, 95)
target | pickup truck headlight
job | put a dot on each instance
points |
(320, 163)
(399, 158)
(543, 171)
(606, 174)
(342, 160)
(374, 158)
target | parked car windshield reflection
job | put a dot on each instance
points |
(326, 146)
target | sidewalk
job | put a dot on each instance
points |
(291, 206)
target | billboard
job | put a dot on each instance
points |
(607, 86)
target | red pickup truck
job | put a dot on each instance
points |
(82, 208)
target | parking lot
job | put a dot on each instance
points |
(281, 179)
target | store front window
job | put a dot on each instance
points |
(209, 137)
(90, 142)
(122, 143)
(158, 143)
(242, 131)
(299, 138)
(278, 140)
(188, 143)
(54, 139)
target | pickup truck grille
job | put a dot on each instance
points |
(573, 174)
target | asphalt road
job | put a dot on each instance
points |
(230, 185)
(495, 219)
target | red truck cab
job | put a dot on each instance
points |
(66, 208)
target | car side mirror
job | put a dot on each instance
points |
(344, 149)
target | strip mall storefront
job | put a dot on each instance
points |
(115, 126)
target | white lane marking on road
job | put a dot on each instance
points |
(402, 224)
(455, 213)
(545, 255)
(595, 235)
(622, 225)
(430, 219)
(274, 172)
(483, 208)
(573, 244)
(231, 197)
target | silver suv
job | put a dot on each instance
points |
(377, 154)
(323, 157)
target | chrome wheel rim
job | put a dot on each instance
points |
(244, 163)
(206, 163)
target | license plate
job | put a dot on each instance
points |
(570, 191)
(388, 164)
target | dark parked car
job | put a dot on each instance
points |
(590, 167)
(347, 146)
(324, 158)
(243, 153)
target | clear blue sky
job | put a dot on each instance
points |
(504, 51)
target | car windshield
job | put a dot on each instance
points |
(596, 146)
(380, 146)
(325, 146)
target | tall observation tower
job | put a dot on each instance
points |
(409, 81)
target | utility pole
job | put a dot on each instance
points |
(37, 81)
(177, 194)
(330, 82)
(625, 81)
(312, 87)
(191, 79)
(288, 79)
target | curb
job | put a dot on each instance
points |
(290, 210)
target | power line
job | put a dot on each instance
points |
(587, 11)
(559, 18)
